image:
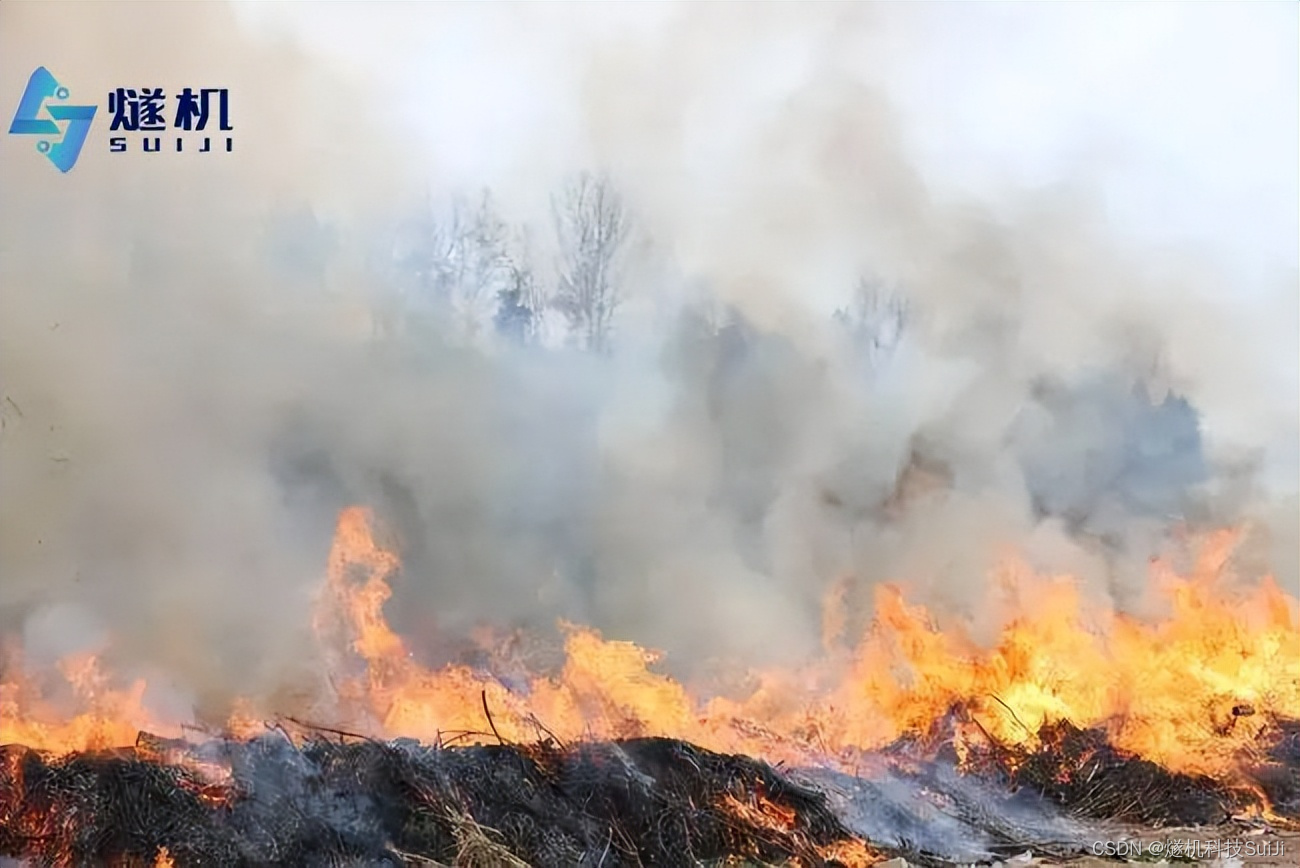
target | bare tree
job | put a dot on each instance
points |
(519, 300)
(486, 266)
(876, 318)
(488, 262)
(453, 262)
(591, 225)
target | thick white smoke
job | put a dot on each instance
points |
(199, 367)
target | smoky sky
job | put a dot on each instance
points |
(204, 357)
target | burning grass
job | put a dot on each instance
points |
(1184, 721)
(1081, 771)
(302, 797)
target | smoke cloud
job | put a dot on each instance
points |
(204, 357)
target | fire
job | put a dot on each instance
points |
(764, 812)
(108, 716)
(1190, 691)
(1174, 691)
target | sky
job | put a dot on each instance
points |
(1186, 113)
(1182, 116)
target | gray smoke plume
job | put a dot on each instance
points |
(204, 357)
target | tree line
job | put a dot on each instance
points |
(455, 266)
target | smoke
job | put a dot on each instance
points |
(196, 373)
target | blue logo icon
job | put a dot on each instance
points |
(27, 121)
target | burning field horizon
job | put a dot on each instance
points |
(1192, 718)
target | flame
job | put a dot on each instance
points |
(109, 716)
(851, 853)
(1191, 690)
(763, 813)
(1172, 690)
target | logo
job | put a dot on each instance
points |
(199, 119)
(143, 110)
(42, 87)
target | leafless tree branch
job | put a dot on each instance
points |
(591, 225)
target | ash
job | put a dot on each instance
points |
(933, 813)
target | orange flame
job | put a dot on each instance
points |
(1191, 690)
(109, 717)
(1166, 690)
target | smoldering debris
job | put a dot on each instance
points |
(1080, 770)
(638, 802)
(1277, 768)
(316, 796)
(932, 812)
